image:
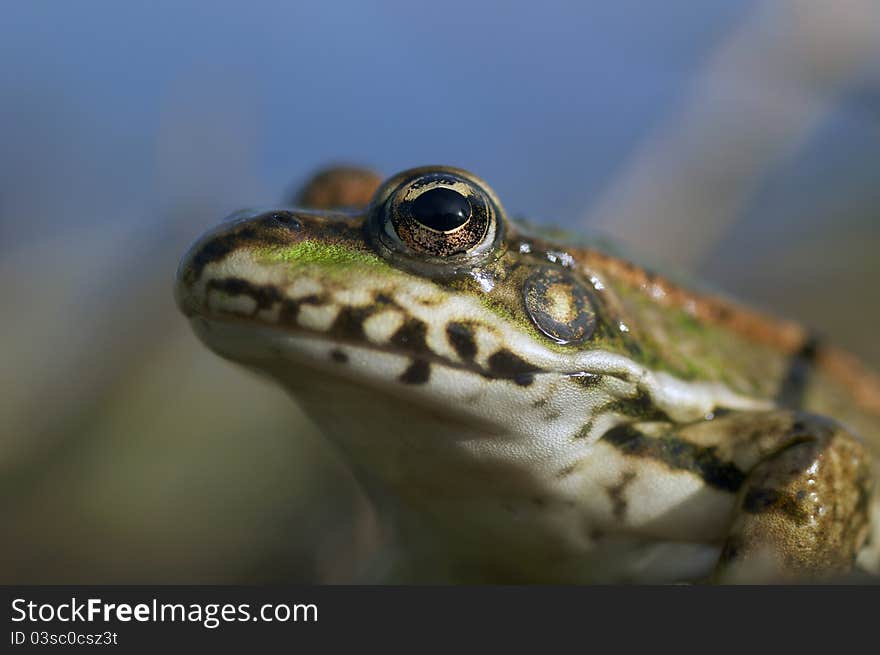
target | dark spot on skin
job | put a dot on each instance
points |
(585, 431)
(797, 376)
(678, 454)
(759, 500)
(411, 336)
(430, 302)
(565, 471)
(384, 299)
(418, 372)
(290, 308)
(349, 323)
(864, 497)
(289, 312)
(641, 407)
(338, 356)
(586, 380)
(264, 295)
(504, 364)
(461, 338)
(616, 493)
(540, 502)
(539, 403)
(730, 550)
(798, 427)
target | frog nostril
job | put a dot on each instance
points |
(287, 220)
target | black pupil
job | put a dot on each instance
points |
(441, 209)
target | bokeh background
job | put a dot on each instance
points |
(738, 142)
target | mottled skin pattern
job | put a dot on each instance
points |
(528, 411)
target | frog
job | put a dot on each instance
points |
(523, 407)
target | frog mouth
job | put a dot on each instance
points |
(381, 327)
(428, 345)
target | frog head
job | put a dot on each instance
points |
(427, 328)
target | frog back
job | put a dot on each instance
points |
(697, 335)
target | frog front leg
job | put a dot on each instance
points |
(802, 510)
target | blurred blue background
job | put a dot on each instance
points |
(738, 142)
(113, 108)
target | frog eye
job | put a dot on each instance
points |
(442, 217)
